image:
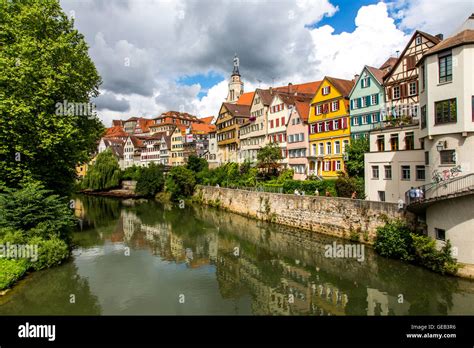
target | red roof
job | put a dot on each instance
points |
(246, 98)
(308, 88)
(202, 128)
(303, 109)
(207, 120)
(114, 132)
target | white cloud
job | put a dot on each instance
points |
(432, 16)
(374, 39)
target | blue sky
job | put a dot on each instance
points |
(205, 80)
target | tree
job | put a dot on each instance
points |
(355, 152)
(104, 173)
(268, 158)
(151, 180)
(45, 67)
(180, 182)
(196, 164)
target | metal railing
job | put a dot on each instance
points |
(256, 188)
(440, 189)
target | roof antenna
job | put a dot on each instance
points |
(398, 52)
(259, 82)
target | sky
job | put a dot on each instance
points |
(160, 55)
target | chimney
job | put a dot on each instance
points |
(439, 36)
(271, 90)
(356, 76)
(289, 87)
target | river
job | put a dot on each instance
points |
(148, 258)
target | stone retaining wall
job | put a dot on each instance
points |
(341, 217)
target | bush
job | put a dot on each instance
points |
(180, 182)
(310, 186)
(196, 164)
(151, 180)
(132, 173)
(396, 240)
(11, 271)
(345, 185)
(50, 252)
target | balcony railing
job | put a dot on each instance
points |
(440, 189)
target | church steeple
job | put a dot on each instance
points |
(236, 86)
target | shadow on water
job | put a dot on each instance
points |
(138, 257)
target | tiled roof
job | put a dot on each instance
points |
(207, 120)
(115, 145)
(390, 62)
(246, 98)
(136, 141)
(303, 109)
(116, 122)
(131, 119)
(308, 88)
(378, 74)
(115, 131)
(238, 110)
(464, 37)
(202, 128)
(343, 86)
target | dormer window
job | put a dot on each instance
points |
(326, 90)
(418, 40)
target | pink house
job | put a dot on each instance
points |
(297, 135)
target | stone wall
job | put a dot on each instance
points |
(341, 217)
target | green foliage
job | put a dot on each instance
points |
(268, 158)
(356, 150)
(396, 240)
(345, 185)
(104, 174)
(196, 164)
(11, 271)
(44, 61)
(180, 182)
(285, 175)
(132, 173)
(51, 252)
(37, 211)
(151, 180)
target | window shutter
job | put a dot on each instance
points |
(417, 87)
(344, 122)
(323, 127)
(368, 82)
(333, 165)
(377, 98)
(390, 93)
(352, 104)
(367, 100)
(282, 121)
(330, 126)
(360, 102)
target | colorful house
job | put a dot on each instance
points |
(329, 127)
(366, 100)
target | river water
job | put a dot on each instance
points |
(142, 258)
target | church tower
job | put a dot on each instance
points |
(236, 86)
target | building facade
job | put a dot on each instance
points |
(329, 127)
(231, 118)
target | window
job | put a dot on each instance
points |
(338, 165)
(396, 92)
(327, 166)
(282, 121)
(423, 77)
(337, 147)
(355, 121)
(412, 88)
(394, 142)
(335, 125)
(321, 148)
(327, 125)
(328, 148)
(326, 90)
(423, 116)
(427, 158)
(420, 173)
(380, 142)
(271, 124)
(363, 102)
(375, 172)
(440, 234)
(365, 82)
(381, 196)
(375, 118)
(445, 61)
(410, 141)
(418, 40)
(447, 157)
(365, 119)
(445, 111)
(320, 127)
(335, 105)
(388, 172)
(313, 149)
(319, 109)
(290, 138)
(405, 172)
(355, 103)
(374, 99)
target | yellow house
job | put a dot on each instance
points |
(177, 146)
(329, 132)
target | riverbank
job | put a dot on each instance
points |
(118, 193)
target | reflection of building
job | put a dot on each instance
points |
(380, 303)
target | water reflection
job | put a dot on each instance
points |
(227, 264)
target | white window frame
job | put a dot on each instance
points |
(396, 88)
(365, 119)
(327, 166)
(410, 88)
(356, 121)
(373, 99)
(338, 166)
(335, 125)
(321, 147)
(337, 147)
(328, 148)
(335, 105)
(319, 109)
(326, 90)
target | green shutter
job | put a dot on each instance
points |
(368, 81)
(367, 100)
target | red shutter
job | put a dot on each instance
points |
(329, 89)
(282, 121)
(330, 126)
(389, 93)
(333, 163)
(344, 123)
(323, 127)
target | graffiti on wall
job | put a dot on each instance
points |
(439, 176)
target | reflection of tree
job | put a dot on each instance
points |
(100, 211)
(48, 293)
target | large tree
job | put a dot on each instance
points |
(44, 62)
(268, 158)
(104, 174)
(355, 161)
